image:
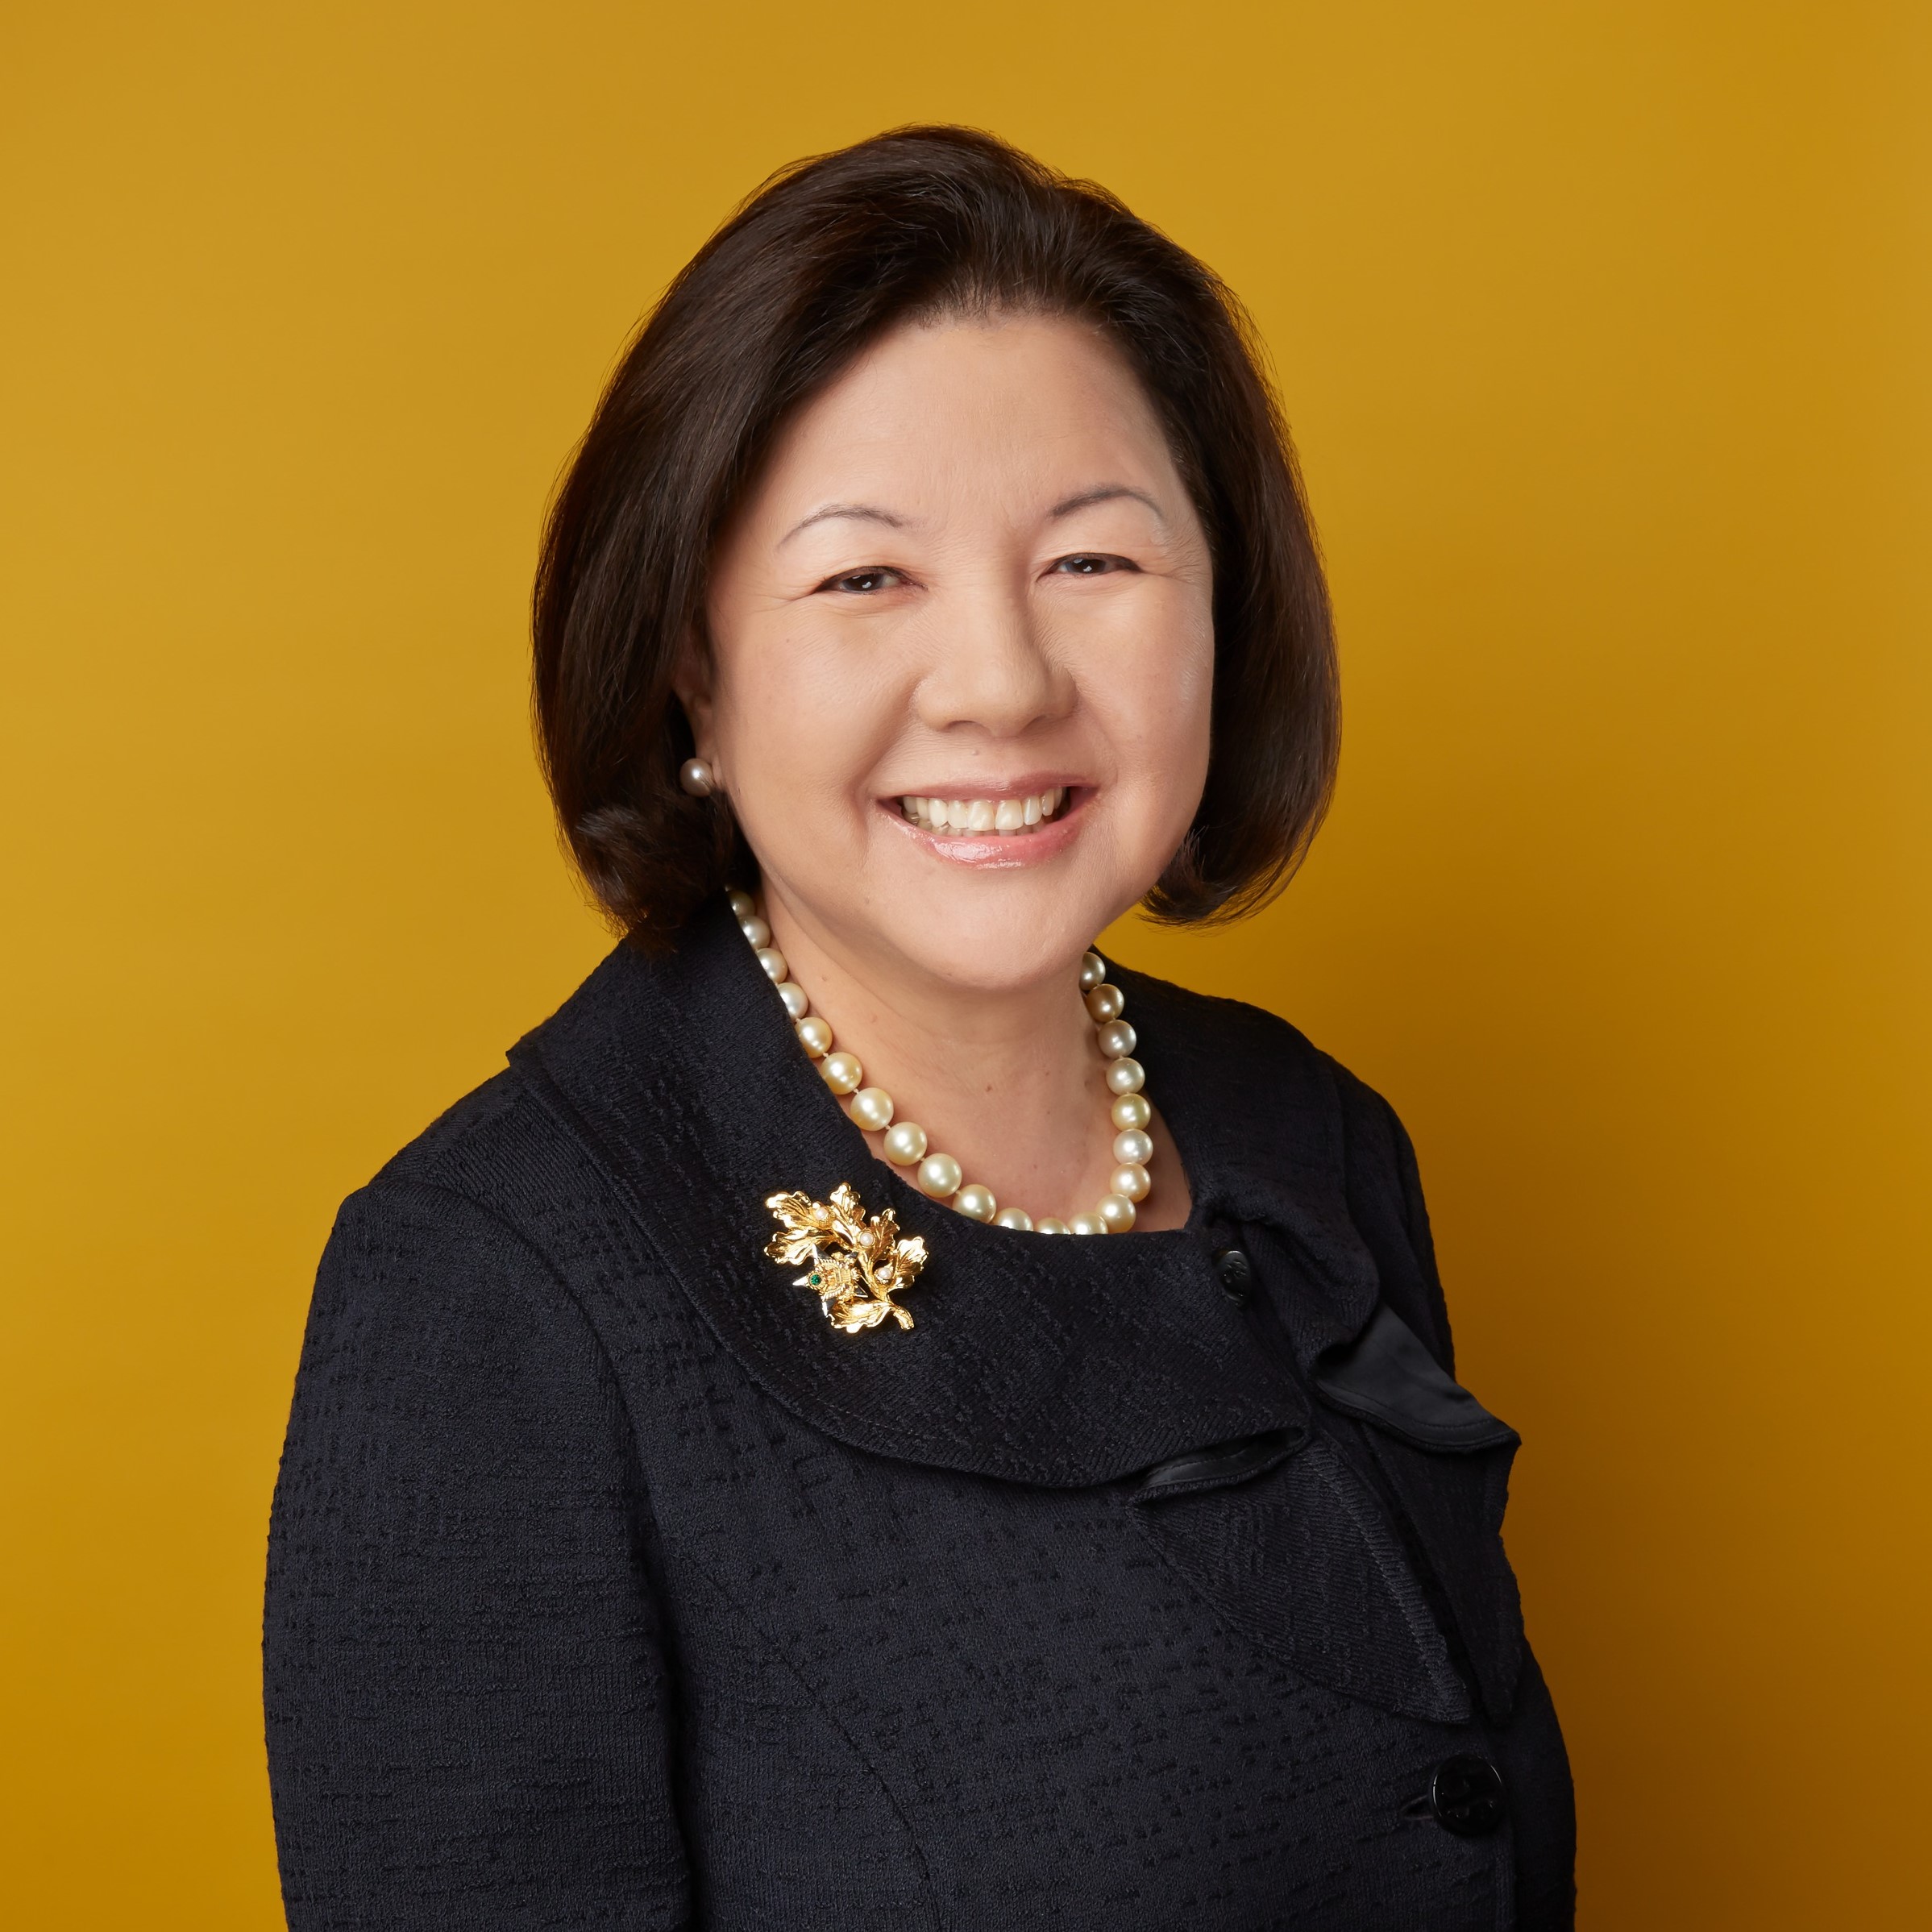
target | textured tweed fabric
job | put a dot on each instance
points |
(610, 1586)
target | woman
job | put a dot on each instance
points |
(713, 1497)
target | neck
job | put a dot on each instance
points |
(1009, 1080)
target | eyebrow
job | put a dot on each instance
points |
(869, 512)
(1105, 492)
(858, 512)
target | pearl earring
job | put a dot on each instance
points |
(694, 776)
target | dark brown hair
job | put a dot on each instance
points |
(825, 258)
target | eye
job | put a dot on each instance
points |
(864, 583)
(1087, 564)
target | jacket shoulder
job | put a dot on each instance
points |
(1208, 1039)
(1228, 1034)
(1270, 1076)
(482, 1202)
(1213, 1022)
(495, 1126)
(435, 1236)
(504, 1145)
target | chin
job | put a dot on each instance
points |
(991, 935)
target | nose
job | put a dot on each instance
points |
(990, 669)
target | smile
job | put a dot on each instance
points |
(985, 817)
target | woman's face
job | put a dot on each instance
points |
(962, 653)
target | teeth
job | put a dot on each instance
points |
(1007, 816)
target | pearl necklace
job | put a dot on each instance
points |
(939, 1174)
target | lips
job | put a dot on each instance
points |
(1011, 817)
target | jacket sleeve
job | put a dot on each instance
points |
(1385, 1202)
(465, 1682)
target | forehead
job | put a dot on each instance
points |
(1013, 405)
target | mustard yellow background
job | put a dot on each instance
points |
(1603, 330)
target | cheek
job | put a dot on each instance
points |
(1159, 696)
(801, 715)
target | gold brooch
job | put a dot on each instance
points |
(856, 1263)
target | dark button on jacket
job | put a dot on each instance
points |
(1236, 1272)
(610, 1586)
(1467, 1796)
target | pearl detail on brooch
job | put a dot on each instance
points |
(904, 1142)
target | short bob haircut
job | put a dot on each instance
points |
(828, 255)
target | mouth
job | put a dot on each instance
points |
(1000, 831)
(1012, 816)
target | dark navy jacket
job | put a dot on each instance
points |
(1150, 1580)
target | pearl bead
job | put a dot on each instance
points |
(1132, 1110)
(1014, 1217)
(1133, 1149)
(1104, 1003)
(1126, 1076)
(1130, 1181)
(755, 930)
(815, 1036)
(696, 776)
(841, 1072)
(1116, 1211)
(905, 1143)
(975, 1202)
(1051, 1226)
(793, 994)
(773, 961)
(1117, 1037)
(1092, 969)
(743, 904)
(938, 1175)
(1087, 1224)
(872, 1109)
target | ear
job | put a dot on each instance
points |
(691, 680)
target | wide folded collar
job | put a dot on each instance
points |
(1057, 1361)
